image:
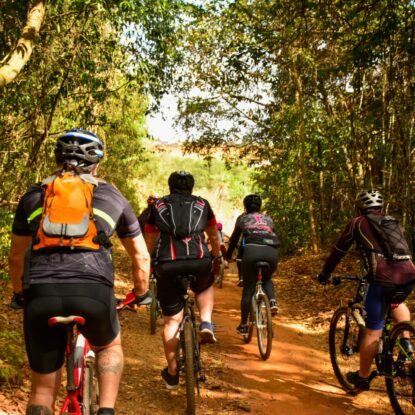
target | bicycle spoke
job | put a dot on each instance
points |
(344, 336)
(400, 379)
(264, 326)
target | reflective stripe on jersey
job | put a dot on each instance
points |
(101, 214)
(35, 214)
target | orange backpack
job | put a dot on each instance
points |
(67, 216)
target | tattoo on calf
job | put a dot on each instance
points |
(109, 361)
(38, 410)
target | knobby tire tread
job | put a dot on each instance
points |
(190, 374)
(251, 320)
(90, 396)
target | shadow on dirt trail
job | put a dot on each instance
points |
(296, 379)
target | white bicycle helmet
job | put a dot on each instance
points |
(369, 199)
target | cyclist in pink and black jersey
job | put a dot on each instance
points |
(260, 244)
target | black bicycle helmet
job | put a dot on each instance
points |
(182, 181)
(369, 199)
(252, 203)
(79, 148)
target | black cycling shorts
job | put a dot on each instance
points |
(169, 292)
(45, 345)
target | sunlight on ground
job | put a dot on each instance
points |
(303, 329)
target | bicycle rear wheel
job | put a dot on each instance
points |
(189, 367)
(251, 321)
(263, 321)
(400, 369)
(154, 307)
(221, 272)
(90, 395)
(344, 339)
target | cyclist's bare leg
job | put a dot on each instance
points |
(205, 301)
(45, 388)
(402, 313)
(368, 350)
(109, 364)
(171, 340)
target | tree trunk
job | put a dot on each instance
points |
(303, 168)
(13, 63)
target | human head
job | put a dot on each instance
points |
(181, 182)
(79, 148)
(151, 199)
(219, 226)
(252, 203)
(369, 199)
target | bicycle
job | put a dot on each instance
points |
(155, 309)
(394, 361)
(82, 395)
(221, 271)
(188, 355)
(260, 315)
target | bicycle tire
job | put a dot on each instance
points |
(90, 396)
(263, 321)
(220, 274)
(400, 370)
(153, 307)
(251, 319)
(189, 367)
(344, 338)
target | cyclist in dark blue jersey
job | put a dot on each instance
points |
(70, 281)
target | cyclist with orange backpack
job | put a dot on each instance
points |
(64, 225)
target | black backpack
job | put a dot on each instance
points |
(181, 220)
(389, 234)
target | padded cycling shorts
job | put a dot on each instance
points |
(45, 345)
(378, 299)
(169, 292)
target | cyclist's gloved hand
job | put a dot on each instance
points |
(131, 298)
(17, 301)
(322, 278)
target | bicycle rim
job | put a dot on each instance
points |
(264, 326)
(90, 397)
(190, 373)
(153, 307)
(400, 369)
(344, 338)
(251, 319)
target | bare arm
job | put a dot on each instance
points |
(19, 244)
(137, 250)
(213, 235)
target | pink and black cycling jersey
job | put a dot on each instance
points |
(255, 228)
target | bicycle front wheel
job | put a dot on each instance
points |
(344, 339)
(190, 373)
(251, 322)
(90, 396)
(263, 321)
(400, 368)
(153, 306)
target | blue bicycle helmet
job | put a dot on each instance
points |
(79, 147)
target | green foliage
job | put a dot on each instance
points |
(6, 218)
(12, 356)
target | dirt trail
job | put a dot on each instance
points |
(296, 379)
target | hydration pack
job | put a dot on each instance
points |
(181, 220)
(389, 234)
(67, 217)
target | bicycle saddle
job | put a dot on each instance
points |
(185, 280)
(262, 264)
(53, 321)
